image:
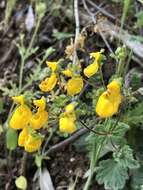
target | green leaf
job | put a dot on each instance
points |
(134, 116)
(61, 35)
(1, 105)
(117, 136)
(125, 158)
(21, 182)
(1, 129)
(137, 178)
(11, 139)
(111, 174)
(38, 160)
(139, 16)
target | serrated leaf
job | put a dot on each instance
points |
(21, 182)
(125, 158)
(117, 135)
(11, 139)
(111, 174)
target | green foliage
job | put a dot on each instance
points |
(134, 116)
(38, 160)
(139, 22)
(116, 136)
(61, 35)
(11, 139)
(137, 179)
(125, 157)
(9, 8)
(1, 105)
(112, 174)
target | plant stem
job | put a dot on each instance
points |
(27, 53)
(33, 37)
(94, 158)
(21, 73)
(101, 75)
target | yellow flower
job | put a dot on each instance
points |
(69, 108)
(91, 69)
(96, 55)
(53, 65)
(110, 100)
(21, 115)
(67, 125)
(41, 103)
(40, 118)
(33, 143)
(74, 85)
(23, 137)
(49, 83)
(69, 111)
(67, 120)
(67, 72)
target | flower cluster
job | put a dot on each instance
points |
(28, 122)
(75, 82)
(23, 119)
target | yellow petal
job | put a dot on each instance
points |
(70, 108)
(74, 85)
(67, 125)
(67, 72)
(18, 99)
(49, 83)
(104, 107)
(96, 55)
(91, 69)
(53, 65)
(39, 119)
(20, 117)
(23, 137)
(33, 143)
(41, 103)
(114, 86)
(109, 101)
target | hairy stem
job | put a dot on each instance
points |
(94, 158)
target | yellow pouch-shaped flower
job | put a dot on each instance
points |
(39, 119)
(70, 108)
(67, 125)
(23, 137)
(53, 65)
(96, 56)
(32, 143)
(109, 101)
(41, 103)
(20, 117)
(74, 85)
(91, 69)
(49, 83)
(67, 72)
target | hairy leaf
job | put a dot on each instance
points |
(125, 157)
(111, 174)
